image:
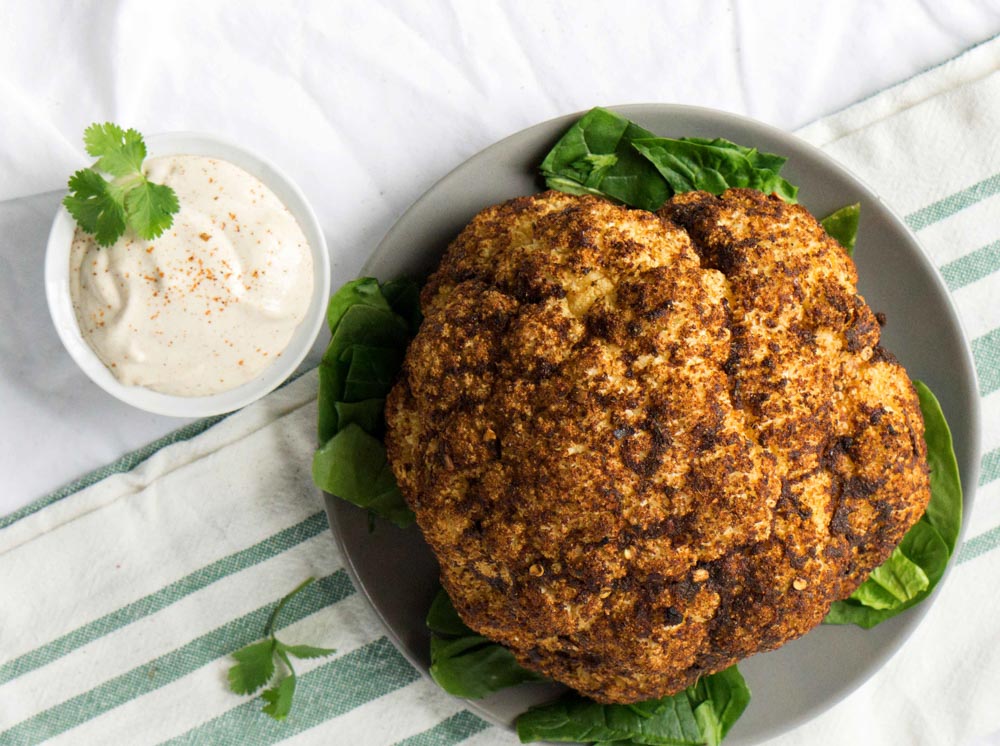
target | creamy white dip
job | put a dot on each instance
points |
(210, 303)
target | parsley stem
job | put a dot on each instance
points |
(269, 627)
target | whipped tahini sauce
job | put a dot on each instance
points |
(209, 304)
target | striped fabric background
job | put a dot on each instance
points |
(124, 593)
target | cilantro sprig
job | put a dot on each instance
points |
(105, 208)
(257, 664)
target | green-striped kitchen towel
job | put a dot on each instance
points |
(120, 602)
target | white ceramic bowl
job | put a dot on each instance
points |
(57, 290)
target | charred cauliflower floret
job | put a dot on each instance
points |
(645, 446)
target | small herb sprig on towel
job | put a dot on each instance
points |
(257, 664)
(105, 208)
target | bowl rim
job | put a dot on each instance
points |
(966, 369)
(60, 304)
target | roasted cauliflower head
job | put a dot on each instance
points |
(645, 446)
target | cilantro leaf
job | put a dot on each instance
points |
(257, 663)
(94, 207)
(254, 667)
(102, 138)
(130, 200)
(150, 208)
(119, 152)
(279, 698)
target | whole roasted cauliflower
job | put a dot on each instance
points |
(645, 446)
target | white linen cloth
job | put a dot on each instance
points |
(122, 600)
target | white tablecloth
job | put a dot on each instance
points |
(365, 104)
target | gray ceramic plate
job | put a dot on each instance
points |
(395, 569)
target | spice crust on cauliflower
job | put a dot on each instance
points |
(645, 446)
